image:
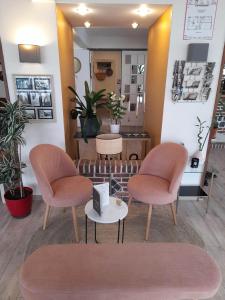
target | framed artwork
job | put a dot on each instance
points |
(199, 19)
(192, 81)
(31, 113)
(37, 94)
(45, 113)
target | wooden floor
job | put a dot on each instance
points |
(19, 238)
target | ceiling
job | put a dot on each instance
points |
(112, 15)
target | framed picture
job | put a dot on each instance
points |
(45, 113)
(37, 94)
(34, 99)
(46, 99)
(42, 83)
(24, 98)
(31, 113)
(24, 83)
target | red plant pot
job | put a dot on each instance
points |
(20, 208)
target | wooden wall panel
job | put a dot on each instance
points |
(158, 48)
(65, 42)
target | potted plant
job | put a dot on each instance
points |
(90, 124)
(117, 110)
(13, 119)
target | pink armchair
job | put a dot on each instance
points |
(59, 181)
(159, 178)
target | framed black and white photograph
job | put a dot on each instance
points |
(35, 99)
(31, 113)
(45, 113)
(46, 99)
(24, 98)
(37, 94)
(42, 83)
(24, 83)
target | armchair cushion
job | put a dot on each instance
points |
(150, 189)
(71, 191)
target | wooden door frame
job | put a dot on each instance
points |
(4, 72)
(209, 146)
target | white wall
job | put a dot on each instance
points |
(113, 38)
(26, 22)
(179, 119)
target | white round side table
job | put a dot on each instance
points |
(111, 213)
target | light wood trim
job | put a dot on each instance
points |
(129, 201)
(158, 51)
(75, 224)
(47, 210)
(173, 210)
(148, 222)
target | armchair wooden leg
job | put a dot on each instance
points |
(75, 224)
(47, 210)
(148, 222)
(129, 201)
(173, 213)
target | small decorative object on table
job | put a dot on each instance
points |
(203, 132)
(117, 109)
(100, 197)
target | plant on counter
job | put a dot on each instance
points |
(86, 111)
(117, 109)
(13, 119)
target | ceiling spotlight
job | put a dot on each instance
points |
(87, 24)
(143, 10)
(135, 25)
(82, 10)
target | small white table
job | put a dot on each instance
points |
(111, 213)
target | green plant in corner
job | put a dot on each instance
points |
(13, 119)
(86, 111)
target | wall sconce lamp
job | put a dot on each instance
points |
(29, 53)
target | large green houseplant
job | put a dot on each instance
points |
(86, 111)
(13, 119)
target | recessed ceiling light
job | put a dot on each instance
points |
(143, 10)
(87, 24)
(82, 10)
(135, 25)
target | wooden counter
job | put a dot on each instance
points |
(137, 144)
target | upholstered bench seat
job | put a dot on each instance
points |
(157, 271)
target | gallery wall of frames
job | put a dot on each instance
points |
(192, 81)
(37, 94)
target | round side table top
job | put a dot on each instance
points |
(111, 213)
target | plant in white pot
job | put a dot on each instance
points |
(13, 119)
(117, 110)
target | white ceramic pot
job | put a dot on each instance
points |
(115, 128)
